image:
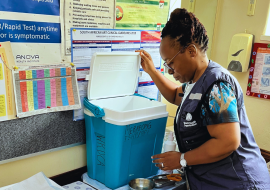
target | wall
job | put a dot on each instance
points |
(205, 11)
(232, 19)
(50, 164)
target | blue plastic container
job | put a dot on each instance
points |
(117, 154)
(122, 131)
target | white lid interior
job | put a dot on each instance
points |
(113, 74)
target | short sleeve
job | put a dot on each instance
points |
(222, 104)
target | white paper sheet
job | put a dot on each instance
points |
(145, 77)
(87, 14)
(79, 114)
(36, 182)
(149, 90)
(81, 73)
(77, 185)
(3, 94)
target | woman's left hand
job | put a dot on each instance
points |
(170, 160)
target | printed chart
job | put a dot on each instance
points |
(259, 74)
(43, 90)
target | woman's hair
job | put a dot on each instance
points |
(185, 28)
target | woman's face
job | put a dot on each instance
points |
(183, 64)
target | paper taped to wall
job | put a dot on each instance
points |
(79, 113)
(87, 14)
(33, 28)
(7, 102)
(45, 89)
(146, 15)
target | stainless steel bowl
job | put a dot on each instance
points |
(141, 184)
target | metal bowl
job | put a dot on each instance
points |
(141, 184)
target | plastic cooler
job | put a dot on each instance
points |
(123, 131)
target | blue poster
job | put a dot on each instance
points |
(33, 28)
(46, 7)
(29, 32)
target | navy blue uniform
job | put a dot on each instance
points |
(218, 98)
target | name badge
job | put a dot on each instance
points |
(196, 96)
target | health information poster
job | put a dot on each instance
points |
(259, 73)
(141, 14)
(33, 28)
(86, 14)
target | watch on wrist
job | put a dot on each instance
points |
(183, 162)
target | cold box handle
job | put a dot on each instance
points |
(96, 110)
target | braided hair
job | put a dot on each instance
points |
(185, 28)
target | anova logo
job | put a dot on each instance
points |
(27, 56)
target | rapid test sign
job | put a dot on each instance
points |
(33, 28)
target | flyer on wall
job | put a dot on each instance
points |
(86, 14)
(146, 15)
(33, 28)
(7, 99)
(259, 74)
(85, 42)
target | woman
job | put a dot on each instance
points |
(214, 136)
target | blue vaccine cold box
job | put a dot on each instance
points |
(123, 131)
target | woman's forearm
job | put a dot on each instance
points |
(211, 151)
(225, 139)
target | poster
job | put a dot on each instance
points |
(86, 14)
(7, 102)
(148, 89)
(85, 42)
(82, 73)
(259, 74)
(141, 14)
(43, 89)
(33, 28)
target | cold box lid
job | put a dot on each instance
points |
(113, 74)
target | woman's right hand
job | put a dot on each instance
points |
(146, 61)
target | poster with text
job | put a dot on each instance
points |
(259, 73)
(86, 14)
(85, 42)
(141, 14)
(33, 28)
